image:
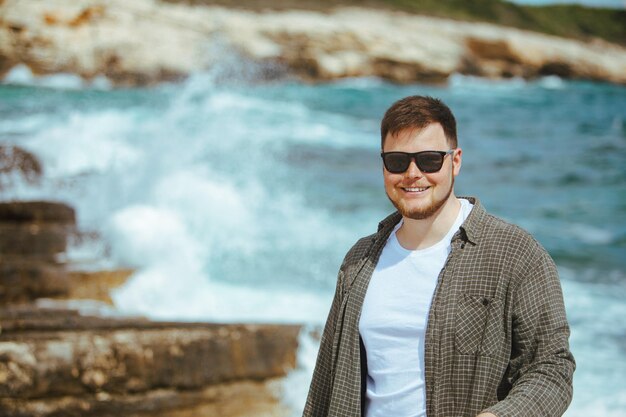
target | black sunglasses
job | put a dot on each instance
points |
(426, 161)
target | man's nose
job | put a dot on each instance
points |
(413, 171)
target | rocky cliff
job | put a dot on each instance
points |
(145, 41)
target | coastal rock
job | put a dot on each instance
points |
(147, 41)
(26, 280)
(32, 235)
(95, 285)
(36, 230)
(40, 241)
(37, 212)
(17, 161)
(234, 399)
(58, 362)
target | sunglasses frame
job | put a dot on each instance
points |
(413, 156)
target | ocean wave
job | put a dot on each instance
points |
(460, 81)
(591, 310)
(23, 75)
(86, 142)
(590, 234)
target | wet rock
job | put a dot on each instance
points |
(32, 236)
(36, 241)
(96, 285)
(234, 399)
(17, 161)
(26, 280)
(37, 212)
(58, 362)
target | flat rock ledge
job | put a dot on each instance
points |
(56, 362)
(146, 41)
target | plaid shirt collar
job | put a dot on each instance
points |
(470, 230)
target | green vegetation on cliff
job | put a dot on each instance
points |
(571, 21)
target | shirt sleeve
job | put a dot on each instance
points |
(318, 400)
(541, 365)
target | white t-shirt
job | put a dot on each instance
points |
(393, 323)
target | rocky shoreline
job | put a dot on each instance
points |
(148, 41)
(59, 360)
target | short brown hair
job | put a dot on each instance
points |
(417, 112)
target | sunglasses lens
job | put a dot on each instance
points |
(429, 161)
(396, 162)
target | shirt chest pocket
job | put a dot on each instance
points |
(478, 329)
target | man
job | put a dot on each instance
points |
(446, 311)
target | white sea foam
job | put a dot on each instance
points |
(297, 382)
(86, 142)
(592, 312)
(100, 82)
(268, 120)
(490, 86)
(460, 81)
(146, 236)
(217, 212)
(187, 295)
(170, 277)
(590, 234)
(22, 127)
(552, 82)
(22, 75)
(360, 83)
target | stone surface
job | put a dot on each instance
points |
(32, 236)
(15, 161)
(37, 212)
(96, 285)
(58, 362)
(26, 280)
(32, 240)
(35, 229)
(147, 41)
(234, 399)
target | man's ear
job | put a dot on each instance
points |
(457, 160)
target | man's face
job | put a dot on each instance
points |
(415, 194)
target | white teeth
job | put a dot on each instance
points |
(416, 189)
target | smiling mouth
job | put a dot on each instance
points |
(415, 189)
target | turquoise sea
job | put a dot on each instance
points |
(235, 199)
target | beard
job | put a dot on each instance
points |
(420, 213)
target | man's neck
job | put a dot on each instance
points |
(423, 233)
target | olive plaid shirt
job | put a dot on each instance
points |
(497, 335)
